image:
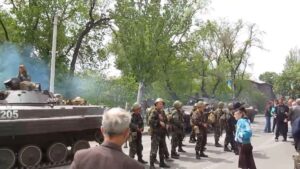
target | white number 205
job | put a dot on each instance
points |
(9, 114)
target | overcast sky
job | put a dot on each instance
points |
(279, 19)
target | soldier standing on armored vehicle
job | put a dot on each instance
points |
(158, 127)
(25, 79)
(200, 126)
(136, 130)
(176, 122)
(216, 125)
(23, 75)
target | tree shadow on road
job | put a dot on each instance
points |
(209, 159)
(260, 155)
(216, 151)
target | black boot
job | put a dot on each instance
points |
(192, 141)
(152, 166)
(217, 144)
(198, 155)
(152, 161)
(163, 164)
(181, 150)
(236, 151)
(142, 161)
(156, 161)
(227, 149)
(174, 156)
(202, 154)
(167, 158)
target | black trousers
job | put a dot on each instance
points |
(274, 124)
(229, 139)
(282, 128)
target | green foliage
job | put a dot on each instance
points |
(269, 77)
(288, 82)
(160, 43)
(149, 41)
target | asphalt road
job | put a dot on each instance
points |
(268, 154)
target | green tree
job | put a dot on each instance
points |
(236, 49)
(148, 38)
(269, 77)
(288, 82)
(29, 22)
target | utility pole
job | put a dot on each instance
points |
(53, 53)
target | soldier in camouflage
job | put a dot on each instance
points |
(228, 122)
(193, 135)
(207, 109)
(200, 126)
(136, 130)
(176, 123)
(216, 125)
(166, 151)
(158, 126)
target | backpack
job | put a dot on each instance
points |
(148, 114)
(211, 118)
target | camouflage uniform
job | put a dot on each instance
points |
(158, 136)
(217, 126)
(135, 140)
(176, 122)
(228, 122)
(192, 135)
(206, 113)
(199, 121)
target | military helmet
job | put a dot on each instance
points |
(215, 105)
(230, 106)
(159, 100)
(221, 105)
(200, 104)
(135, 106)
(177, 104)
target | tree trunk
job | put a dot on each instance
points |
(216, 86)
(203, 91)
(77, 47)
(140, 94)
(233, 84)
(5, 30)
(170, 90)
(239, 92)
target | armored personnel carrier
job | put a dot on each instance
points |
(38, 132)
